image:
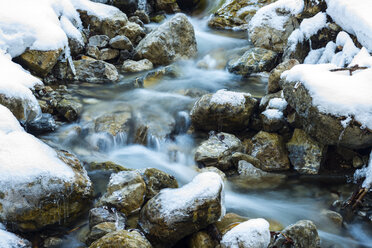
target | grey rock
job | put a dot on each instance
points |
(305, 154)
(254, 60)
(274, 78)
(105, 214)
(270, 149)
(173, 40)
(209, 113)
(217, 151)
(303, 233)
(99, 41)
(325, 128)
(125, 192)
(175, 213)
(121, 42)
(137, 66)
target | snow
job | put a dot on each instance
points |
(314, 56)
(277, 103)
(44, 24)
(328, 53)
(253, 233)
(308, 28)
(206, 185)
(8, 123)
(349, 50)
(354, 17)
(273, 114)
(366, 173)
(229, 97)
(22, 152)
(10, 240)
(15, 82)
(337, 93)
(268, 15)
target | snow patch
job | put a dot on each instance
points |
(308, 28)
(354, 17)
(337, 93)
(273, 114)
(269, 16)
(253, 233)
(277, 103)
(229, 97)
(8, 123)
(10, 240)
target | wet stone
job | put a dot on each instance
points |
(99, 41)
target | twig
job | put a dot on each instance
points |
(350, 69)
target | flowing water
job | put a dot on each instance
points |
(164, 105)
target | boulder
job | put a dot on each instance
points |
(52, 188)
(69, 109)
(115, 122)
(236, 14)
(217, 151)
(143, 16)
(254, 60)
(274, 78)
(269, 148)
(271, 26)
(175, 213)
(253, 233)
(125, 192)
(99, 41)
(223, 111)
(110, 25)
(10, 240)
(122, 238)
(272, 120)
(108, 54)
(39, 62)
(303, 234)
(324, 128)
(95, 71)
(305, 154)
(137, 66)
(173, 40)
(133, 32)
(105, 214)
(121, 42)
(157, 180)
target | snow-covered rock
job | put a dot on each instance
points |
(223, 111)
(175, 213)
(235, 14)
(354, 18)
(10, 240)
(173, 40)
(274, 78)
(253, 233)
(334, 107)
(125, 192)
(271, 26)
(38, 186)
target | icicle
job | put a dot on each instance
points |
(69, 59)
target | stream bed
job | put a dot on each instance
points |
(164, 104)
